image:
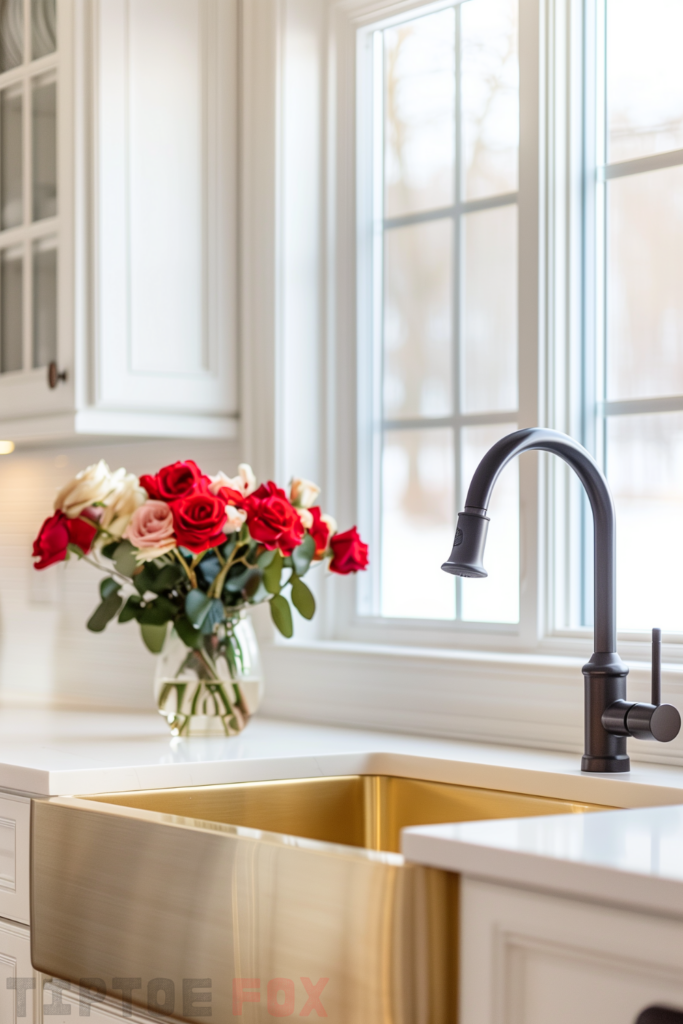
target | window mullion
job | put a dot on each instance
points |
(456, 312)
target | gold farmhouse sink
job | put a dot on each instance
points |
(258, 900)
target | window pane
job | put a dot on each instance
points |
(44, 148)
(644, 77)
(11, 319)
(44, 301)
(490, 97)
(489, 319)
(417, 320)
(644, 293)
(11, 162)
(417, 523)
(43, 28)
(419, 100)
(11, 34)
(496, 598)
(645, 471)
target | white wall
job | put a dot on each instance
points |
(46, 653)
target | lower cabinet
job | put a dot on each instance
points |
(531, 958)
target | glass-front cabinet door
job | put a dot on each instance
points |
(29, 202)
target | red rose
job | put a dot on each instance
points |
(55, 535)
(320, 532)
(176, 481)
(272, 520)
(349, 553)
(198, 521)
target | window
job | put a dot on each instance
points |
(638, 308)
(441, 316)
(28, 184)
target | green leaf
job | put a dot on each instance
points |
(265, 558)
(145, 580)
(252, 584)
(131, 609)
(281, 614)
(197, 605)
(235, 583)
(302, 598)
(302, 556)
(168, 577)
(159, 611)
(124, 558)
(109, 549)
(271, 576)
(153, 636)
(190, 636)
(215, 614)
(108, 586)
(104, 613)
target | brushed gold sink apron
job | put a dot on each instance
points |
(258, 900)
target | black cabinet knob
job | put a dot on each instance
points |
(660, 1015)
(54, 375)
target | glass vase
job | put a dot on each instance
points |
(215, 689)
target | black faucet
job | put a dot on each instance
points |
(609, 717)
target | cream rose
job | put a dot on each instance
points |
(87, 487)
(303, 493)
(306, 518)
(244, 482)
(330, 522)
(236, 519)
(151, 530)
(125, 497)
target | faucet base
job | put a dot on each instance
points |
(615, 763)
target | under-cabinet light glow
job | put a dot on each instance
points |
(6, 447)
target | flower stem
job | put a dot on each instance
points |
(188, 569)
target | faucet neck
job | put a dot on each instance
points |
(595, 485)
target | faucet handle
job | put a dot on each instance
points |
(655, 721)
(656, 666)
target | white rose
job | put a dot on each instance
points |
(123, 499)
(236, 518)
(306, 518)
(245, 482)
(303, 492)
(331, 523)
(87, 487)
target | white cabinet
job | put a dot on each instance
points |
(117, 218)
(18, 981)
(60, 1006)
(530, 958)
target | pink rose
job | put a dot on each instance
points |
(151, 529)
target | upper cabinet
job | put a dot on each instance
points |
(118, 155)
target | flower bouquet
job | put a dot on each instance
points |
(185, 555)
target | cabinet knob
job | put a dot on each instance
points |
(54, 375)
(660, 1015)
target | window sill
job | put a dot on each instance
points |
(528, 700)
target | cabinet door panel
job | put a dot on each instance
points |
(17, 978)
(529, 958)
(166, 77)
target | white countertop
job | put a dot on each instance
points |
(632, 856)
(51, 753)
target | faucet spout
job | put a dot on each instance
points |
(606, 708)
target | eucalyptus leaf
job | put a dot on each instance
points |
(252, 584)
(302, 598)
(109, 549)
(208, 569)
(153, 636)
(197, 605)
(281, 614)
(265, 558)
(236, 582)
(190, 636)
(146, 578)
(158, 611)
(124, 558)
(104, 613)
(131, 608)
(167, 578)
(302, 556)
(108, 586)
(214, 615)
(271, 576)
